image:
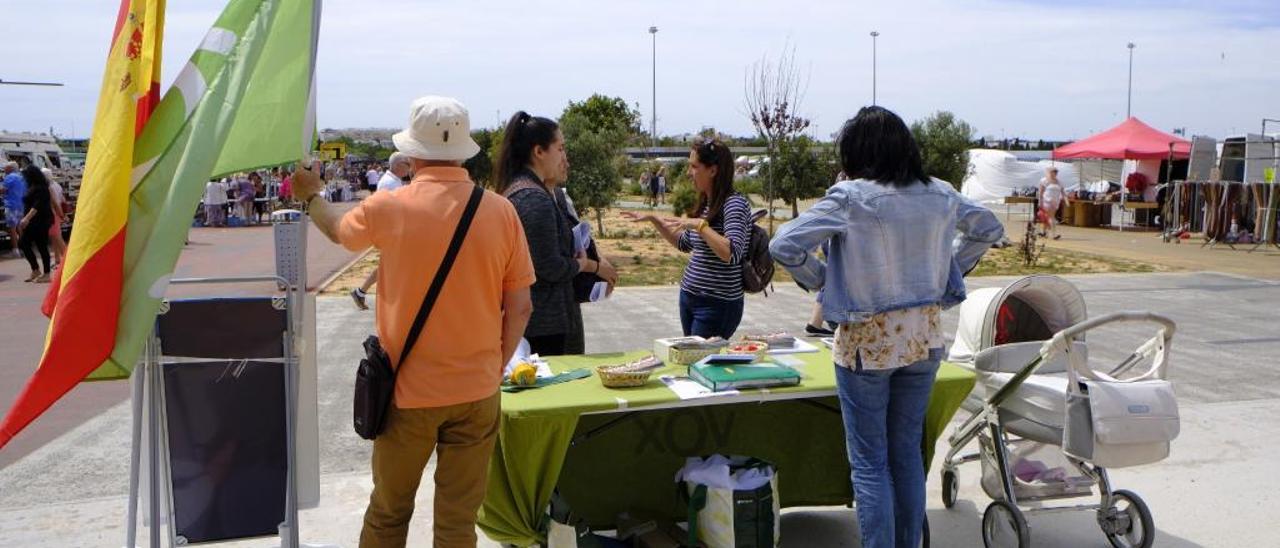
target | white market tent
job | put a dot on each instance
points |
(995, 174)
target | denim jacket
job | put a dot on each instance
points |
(887, 247)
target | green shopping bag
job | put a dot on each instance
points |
(734, 518)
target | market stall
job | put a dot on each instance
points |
(614, 450)
(1142, 147)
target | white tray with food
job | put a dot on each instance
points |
(782, 343)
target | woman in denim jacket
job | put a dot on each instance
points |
(899, 246)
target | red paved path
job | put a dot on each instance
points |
(211, 252)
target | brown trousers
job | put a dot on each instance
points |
(462, 437)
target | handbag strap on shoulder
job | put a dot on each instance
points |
(442, 274)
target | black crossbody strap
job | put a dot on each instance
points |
(429, 302)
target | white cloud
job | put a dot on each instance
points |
(1030, 68)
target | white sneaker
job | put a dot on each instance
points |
(358, 296)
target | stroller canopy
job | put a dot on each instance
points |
(1030, 309)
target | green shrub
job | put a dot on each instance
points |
(750, 186)
(683, 198)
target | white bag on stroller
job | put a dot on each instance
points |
(1115, 423)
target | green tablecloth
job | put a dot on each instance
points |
(578, 437)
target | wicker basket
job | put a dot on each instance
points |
(691, 356)
(612, 378)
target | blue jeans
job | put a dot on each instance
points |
(884, 424)
(708, 316)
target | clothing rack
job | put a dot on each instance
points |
(1267, 196)
(1209, 207)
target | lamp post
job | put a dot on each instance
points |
(1128, 110)
(874, 35)
(14, 83)
(653, 101)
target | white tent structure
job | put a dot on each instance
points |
(995, 174)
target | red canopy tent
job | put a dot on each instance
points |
(1131, 140)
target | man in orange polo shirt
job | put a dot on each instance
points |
(446, 396)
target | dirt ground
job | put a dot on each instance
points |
(1146, 246)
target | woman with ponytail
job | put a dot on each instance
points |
(530, 170)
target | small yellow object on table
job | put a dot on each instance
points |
(524, 374)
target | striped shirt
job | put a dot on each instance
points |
(707, 275)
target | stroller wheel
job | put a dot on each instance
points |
(1004, 526)
(950, 488)
(1128, 522)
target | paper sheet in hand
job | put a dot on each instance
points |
(582, 236)
(687, 389)
(600, 291)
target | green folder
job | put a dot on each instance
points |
(718, 376)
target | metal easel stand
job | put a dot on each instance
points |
(143, 391)
(148, 397)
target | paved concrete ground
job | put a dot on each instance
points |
(1217, 489)
(210, 252)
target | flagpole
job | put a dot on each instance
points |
(296, 345)
(135, 395)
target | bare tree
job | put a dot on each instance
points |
(774, 90)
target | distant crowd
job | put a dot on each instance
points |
(35, 212)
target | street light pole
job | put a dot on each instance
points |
(653, 101)
(14, 83)
(874, 35)
(1128, 110)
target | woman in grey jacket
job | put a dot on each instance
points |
(531, 167)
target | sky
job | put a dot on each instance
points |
(1051, 69)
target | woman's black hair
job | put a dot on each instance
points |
(35, 178)
(712, 152)
(523, 133)
(877, 145)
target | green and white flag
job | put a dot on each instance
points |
(245, 100)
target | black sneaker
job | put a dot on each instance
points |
(358, 296)
(818, 331)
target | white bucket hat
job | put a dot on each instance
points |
(439, 129)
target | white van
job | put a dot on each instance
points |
(30, 148)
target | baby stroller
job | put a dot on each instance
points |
(1047, 425)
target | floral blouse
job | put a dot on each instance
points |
(889, 340)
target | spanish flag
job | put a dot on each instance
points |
(244, 100)
(86, 297)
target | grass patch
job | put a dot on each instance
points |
(1008, 262)
(352, 277)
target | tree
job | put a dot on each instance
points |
(774, 90)
(595, 130)
(803, 169)
(480, 166)
(603, 113)
(944, 146)
(375, 152)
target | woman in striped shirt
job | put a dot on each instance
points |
(711, 297)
